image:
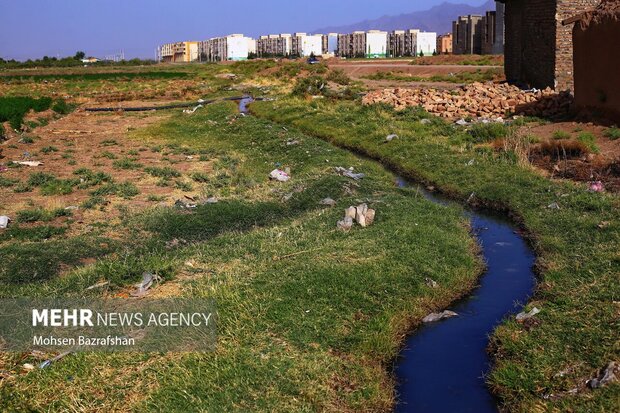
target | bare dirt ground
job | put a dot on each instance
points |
(359, 69)
(604, 166)
(94, 141)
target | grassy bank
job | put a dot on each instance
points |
(459, 77)
(538, 367)
(309, 316)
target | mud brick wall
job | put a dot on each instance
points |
(564, 72)
(597, 68)
(539, 51)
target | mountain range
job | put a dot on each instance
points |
(437, 19)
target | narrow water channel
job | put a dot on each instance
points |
(443, 365)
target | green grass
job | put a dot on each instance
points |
(487, 132)
(459, 77)
(39, 214)
(165, 172)
(613, 133)
(13, 109)
(50, 185)
(116, 76)
(125, 190)
(578, 261)
(7, 182)
(589, 140)
(49, 149)
(38, 233)
(126, 163)
(89, 178)
(309, 317)
(560, 134)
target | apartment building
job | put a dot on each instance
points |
(274, 45)
(232, 47)
(179, 52)
(444, 43)
(402, 42)
(330, 44)
(493, 31)
(425, 44)
(467, 35)
(376, 44)
(352, 44)
(304, 45)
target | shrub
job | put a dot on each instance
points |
(125, 190)
(89, 178)
(49, 149)
(40, 178)
(588, 140)
(40, 214)
(126, 163)
(165, 172)
(7, 182)
(13, 109)
(62, 107)
(201, 177)
(560, 134)
(487, 132)
(339, 76)
(58, 187)
(613, 133)
(310, 86)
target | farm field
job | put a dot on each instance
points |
(310, 317)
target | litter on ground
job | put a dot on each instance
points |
(279, 175)
(29, 163)
(609, 375)
(147, 282)
(4, 221)
(349, 173)
(522, 316)
(432, 317)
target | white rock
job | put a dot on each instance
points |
(328, 202)
(345, 224)
(350, 212)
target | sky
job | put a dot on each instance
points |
(34, 28)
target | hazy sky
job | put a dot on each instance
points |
(33, 28)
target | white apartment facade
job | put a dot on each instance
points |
(233, 47)
(425, 43)
(376, 44)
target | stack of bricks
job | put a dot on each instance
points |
(478, 100)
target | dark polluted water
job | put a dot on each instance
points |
(443, 365)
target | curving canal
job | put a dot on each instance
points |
(443, 365)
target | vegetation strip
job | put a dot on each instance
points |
(97, 76)
(575, 233)
(309, 316)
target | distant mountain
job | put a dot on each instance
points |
(437, 19)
